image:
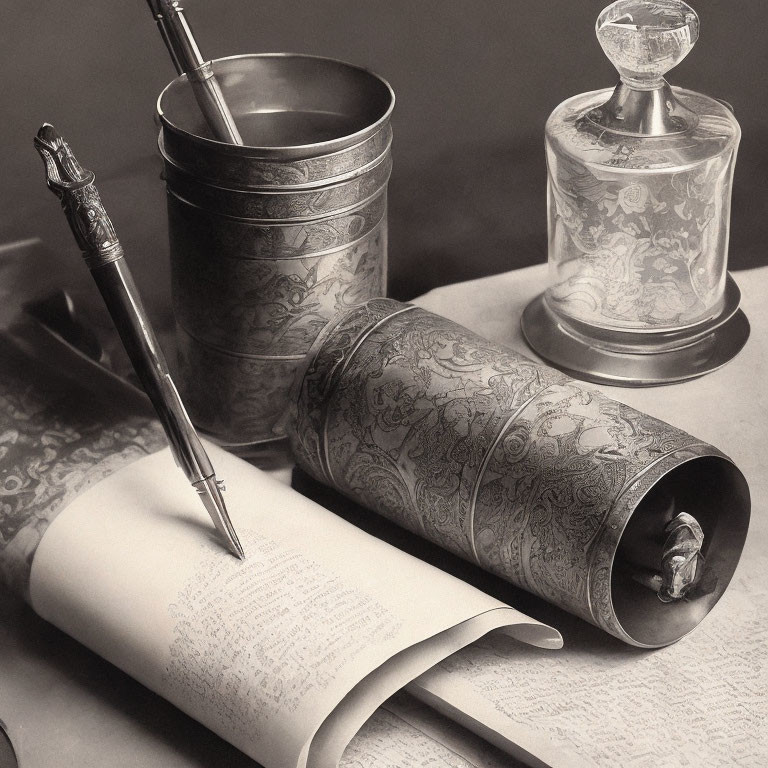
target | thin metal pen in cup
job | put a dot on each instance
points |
(186, 56)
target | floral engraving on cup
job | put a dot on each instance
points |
(274, 306)
(223, 166)
(205, 236)
(263, 205)
(234, 399)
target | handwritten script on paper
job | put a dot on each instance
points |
(231, 625)
(691, 704)
(404, 734)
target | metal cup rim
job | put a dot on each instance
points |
(289, 152)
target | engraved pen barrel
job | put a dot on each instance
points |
(95, 234)
(103, 254)
(115, 283)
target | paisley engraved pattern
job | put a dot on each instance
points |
(315, 378)
(195, 230)
(552, 482)
(639, 250)
(488, 454)
(237, 169)
(268, 307)
(272, 306)
(418, 407)
(262, 271)
(297, 204)
(234, 399)
(56, 440)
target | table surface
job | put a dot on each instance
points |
(65, 706)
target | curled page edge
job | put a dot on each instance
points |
(336, 732)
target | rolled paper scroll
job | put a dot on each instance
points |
(535, 477)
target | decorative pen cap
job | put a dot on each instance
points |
(74, 186)
(644, 39)
(62, 169)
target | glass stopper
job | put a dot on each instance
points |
(644, 39)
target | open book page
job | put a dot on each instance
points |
(260, 651)
(702, 701)
(404, 733)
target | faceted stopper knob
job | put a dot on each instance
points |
(644, 39)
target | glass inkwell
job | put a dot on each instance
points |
(639, 212)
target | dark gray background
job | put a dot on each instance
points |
(475, 82)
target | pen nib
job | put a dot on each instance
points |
(210, 493)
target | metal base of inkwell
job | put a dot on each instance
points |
(632, 359)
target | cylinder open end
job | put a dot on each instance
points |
(679, 550)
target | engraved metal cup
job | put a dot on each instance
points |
(269, 240)
(513, 466)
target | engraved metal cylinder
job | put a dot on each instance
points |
(268, 242)
(512, 465)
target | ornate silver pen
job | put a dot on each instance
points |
(188, 60)
(103, 254)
